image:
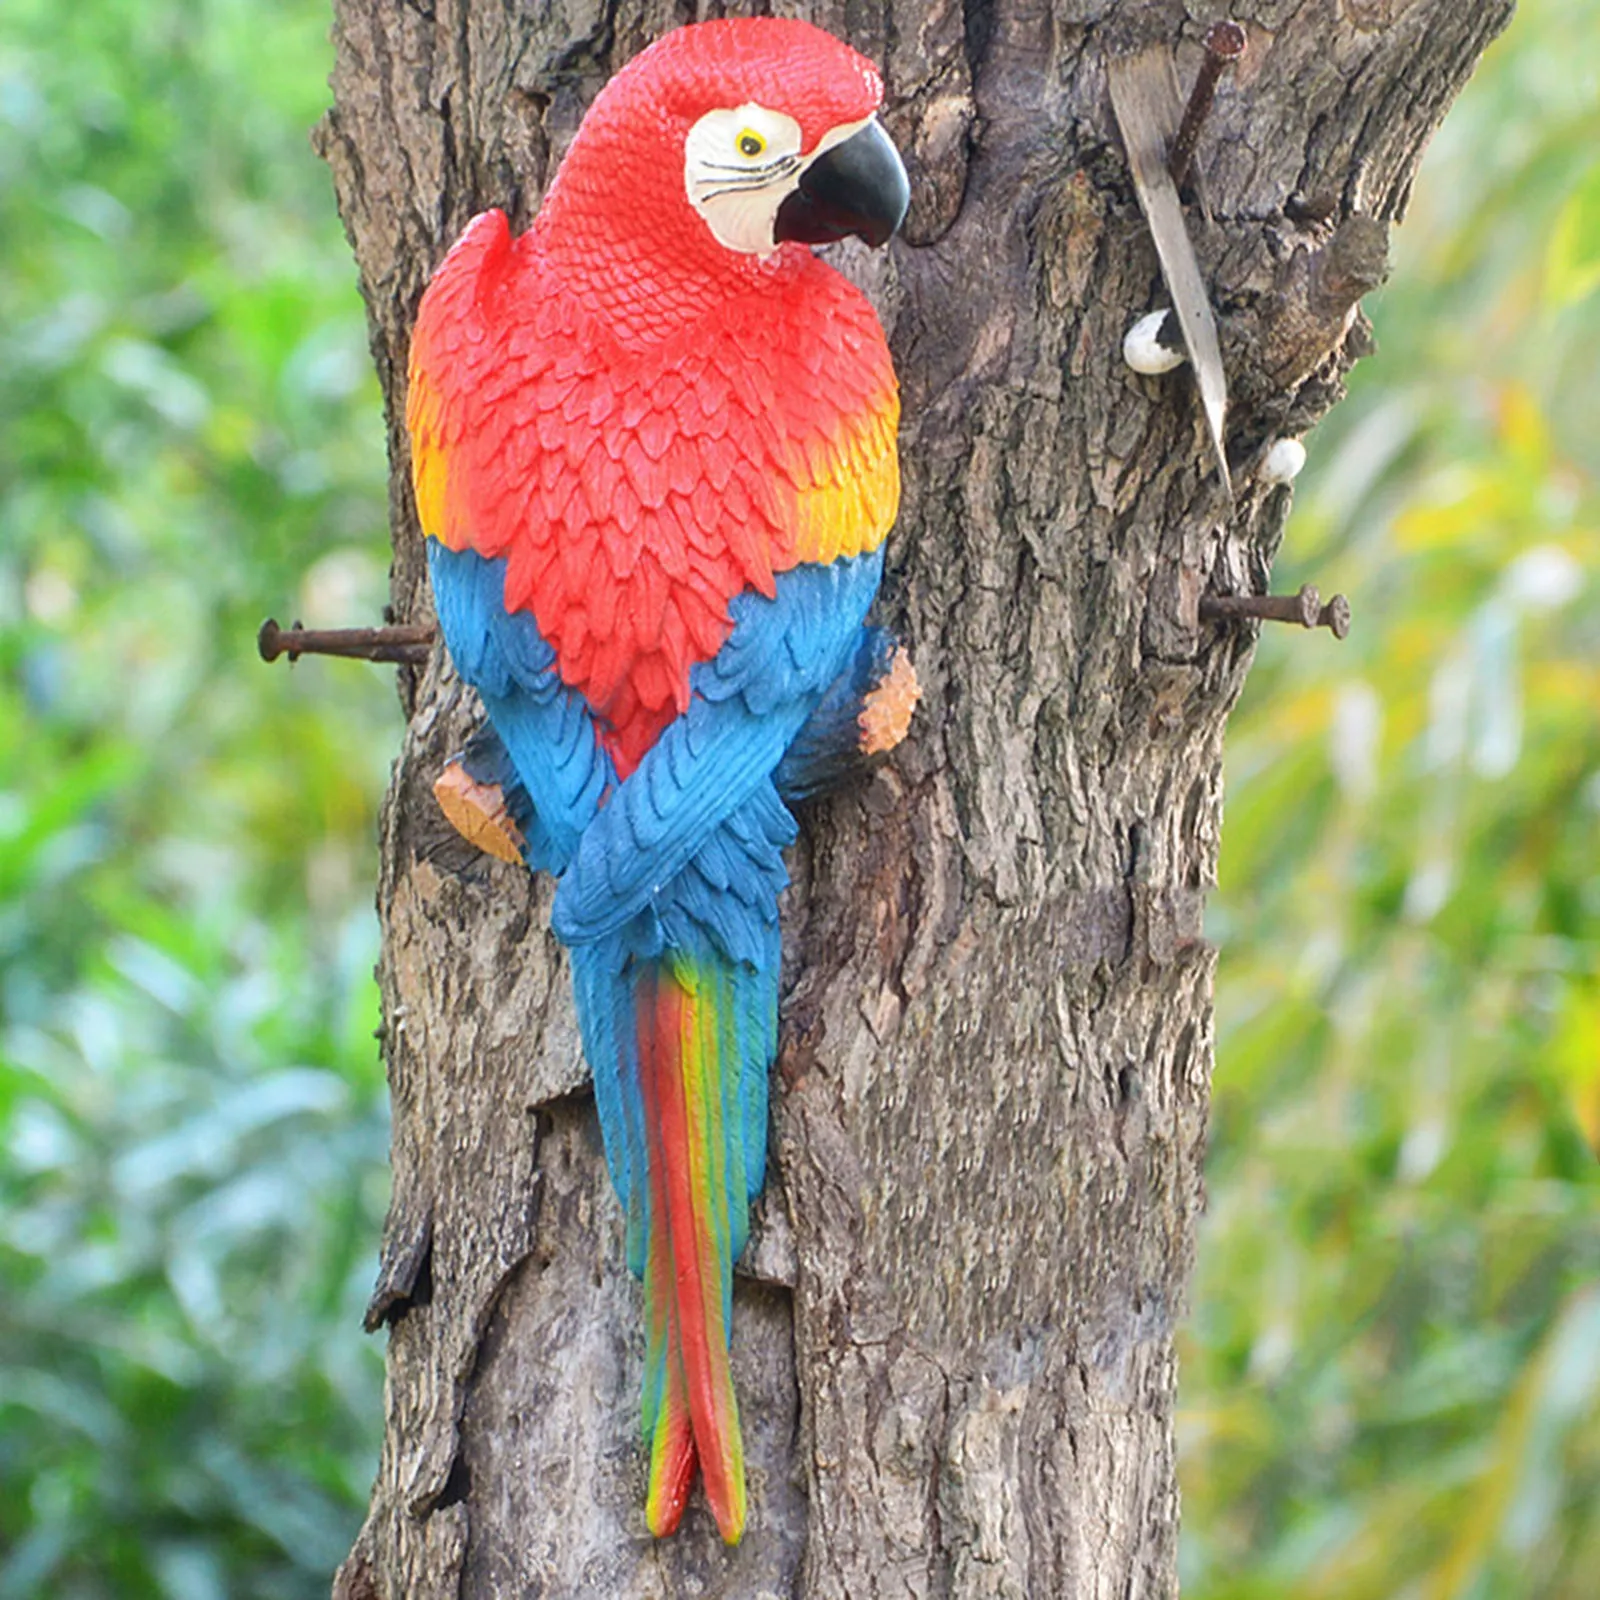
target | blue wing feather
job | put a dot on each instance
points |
(749, 703)
(686, 855)
(548, 731)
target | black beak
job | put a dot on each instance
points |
(856, 187)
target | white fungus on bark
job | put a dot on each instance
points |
(1154, 344)
(1283, 461)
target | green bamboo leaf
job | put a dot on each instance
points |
(1572, 262)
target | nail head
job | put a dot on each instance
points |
(1226, 39)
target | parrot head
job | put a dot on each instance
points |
(727, 140)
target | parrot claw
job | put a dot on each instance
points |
(478, 812)
(886, 708)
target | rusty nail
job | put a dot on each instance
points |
(1225, 42)
(409, 644)
(1335, 617)
(1305, 608)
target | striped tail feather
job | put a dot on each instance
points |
(680, 1044)
(667, 1424)
(697, 1174)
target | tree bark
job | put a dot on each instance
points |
(954, 1328)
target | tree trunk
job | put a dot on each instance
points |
(953, 1332)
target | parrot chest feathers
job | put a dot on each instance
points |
(636, 489)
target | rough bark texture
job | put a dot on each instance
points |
(954, 1333)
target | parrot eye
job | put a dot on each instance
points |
(739, 164)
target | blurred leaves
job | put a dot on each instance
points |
(1391, 1385)
(1573, 264)
(192, 1120)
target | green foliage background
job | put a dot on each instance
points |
(1392, 1373)
(192, 1119)
(1391, 1381)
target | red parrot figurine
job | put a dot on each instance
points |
(653, 447)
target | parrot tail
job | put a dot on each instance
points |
(680, 1044)
(689, 1262)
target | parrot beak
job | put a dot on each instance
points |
(858, 186)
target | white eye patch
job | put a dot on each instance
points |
(739, 165)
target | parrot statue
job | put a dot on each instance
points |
(653, 448)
